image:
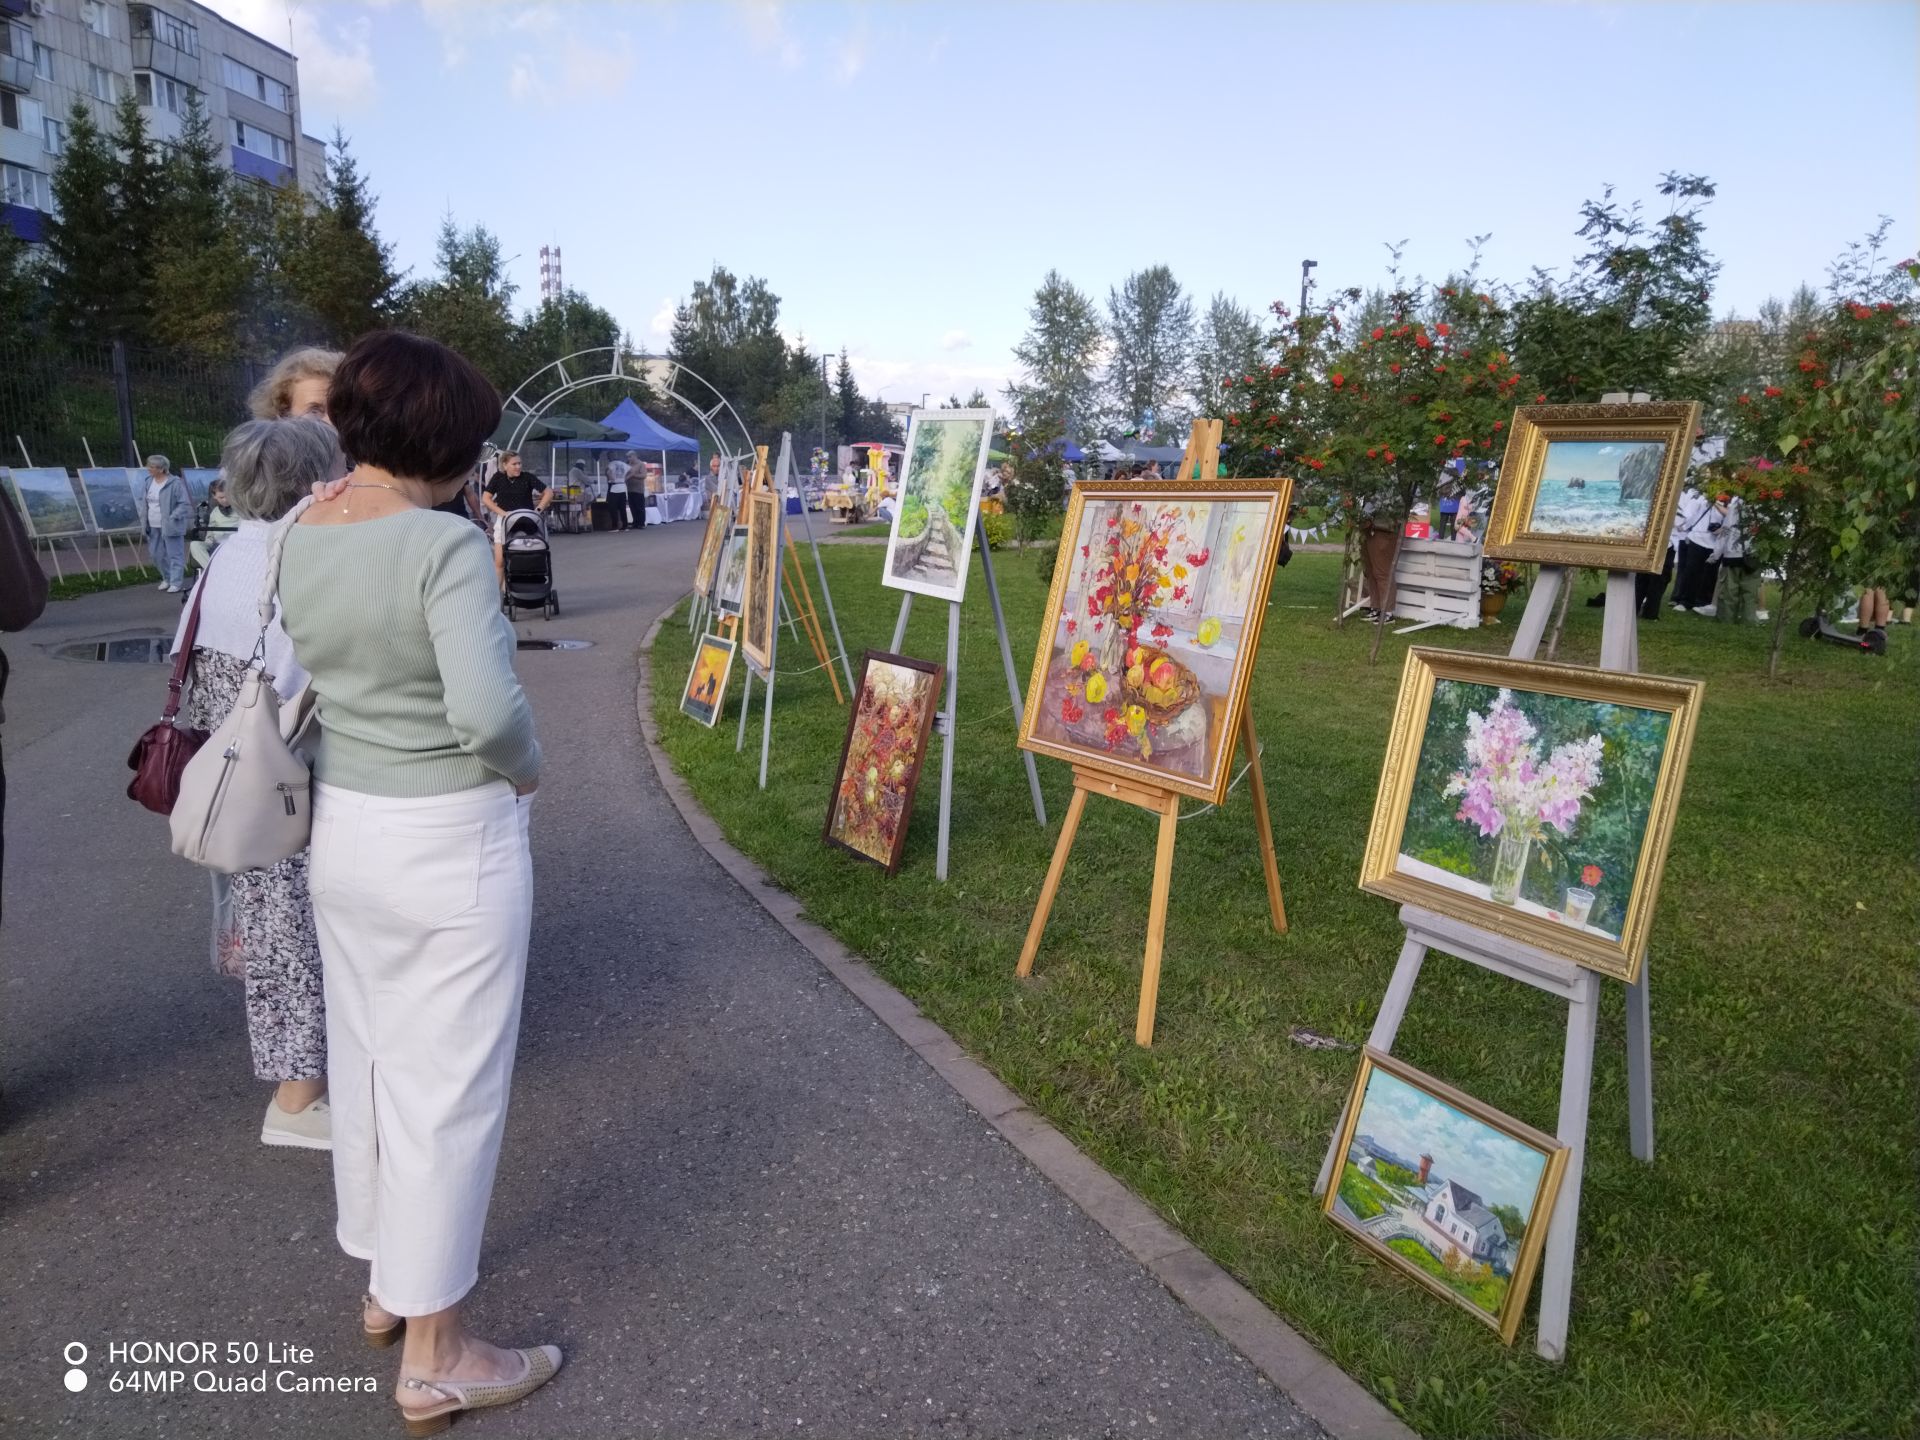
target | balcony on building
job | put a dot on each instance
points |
(16, 73)
(164, 42)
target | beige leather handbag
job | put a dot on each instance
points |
(246, 796)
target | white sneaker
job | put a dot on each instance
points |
(172, 589)
(161, 586)
(310, 1129)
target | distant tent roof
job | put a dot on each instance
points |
(644, 433)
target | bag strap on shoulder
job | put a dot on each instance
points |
(177, 681)
(270, 586)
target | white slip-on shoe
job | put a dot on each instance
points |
(161, 586)
(310, 1129)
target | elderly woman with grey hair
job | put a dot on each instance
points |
(166, 507)
(263, 919)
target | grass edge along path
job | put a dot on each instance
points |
(1754, 1281)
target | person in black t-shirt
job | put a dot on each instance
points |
(510, 490)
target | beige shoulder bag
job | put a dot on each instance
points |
(246, 796)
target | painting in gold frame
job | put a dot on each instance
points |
(1592, 485)
(719, 527)
(1535, 801)
(762, 596)
(1152, 626)
(1445, 1188)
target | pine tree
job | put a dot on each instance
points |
(93, 285)
(1228, 346)
(199, 269)
(138, 214)
(1150, 323)
(469, 307)
(342, 272)
(19, 291)
(847, 401)
(1057, 391)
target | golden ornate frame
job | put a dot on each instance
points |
(1680, 699)
(1509, 536)
(719, 527)
(763, 528)
(1214, 786)
(1520, 1286)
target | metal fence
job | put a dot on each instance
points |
(115, 404)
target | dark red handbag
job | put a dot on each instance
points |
(162, 753)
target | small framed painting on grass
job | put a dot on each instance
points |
(886, 743)
(706, 688)
(932, 537)
(1592, 485)
(1444, 1188)
(1535, 801)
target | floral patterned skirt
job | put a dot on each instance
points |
(263, 931)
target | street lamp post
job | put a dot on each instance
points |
(1305, 266)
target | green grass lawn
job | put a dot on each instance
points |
(1757, 1281)
(80, 583)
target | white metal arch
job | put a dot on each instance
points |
(540, 391)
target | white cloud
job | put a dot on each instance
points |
(765, 22)
(910, 379)
(336, 56)
(851, 58)
(955, 340)
(661, 324)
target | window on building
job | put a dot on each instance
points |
(262, 142)
(16, 40)
(161, 91)
(97, 15)
(17, 112)
(43, 62)
(157, 24)
(29, 188)
(55, 133)
(104, 84)
(250, 82)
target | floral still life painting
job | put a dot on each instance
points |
(1448, 1190)
(1152, 625)
(1526, 796)
(880, 761)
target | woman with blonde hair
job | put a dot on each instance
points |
(297, 385)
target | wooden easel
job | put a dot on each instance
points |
(793, 579)
(1577, 985)
(1201, 461)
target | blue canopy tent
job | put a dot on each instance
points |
(644, 434)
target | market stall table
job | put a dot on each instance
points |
(672, 505)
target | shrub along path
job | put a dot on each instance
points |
(1757, 1280)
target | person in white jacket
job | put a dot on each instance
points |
(1739, 575)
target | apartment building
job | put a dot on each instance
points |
(54, 53)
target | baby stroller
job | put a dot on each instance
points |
(529, 566)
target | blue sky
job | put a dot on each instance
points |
(904, 175)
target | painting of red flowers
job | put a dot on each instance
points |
(880, 762)
(1152, 624)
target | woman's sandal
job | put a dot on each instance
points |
(543, 1363)
(380, 1339)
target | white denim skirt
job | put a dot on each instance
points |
(423, 908)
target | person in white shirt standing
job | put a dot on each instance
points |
(617, 493)
(1694, 585)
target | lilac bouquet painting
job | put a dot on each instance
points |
(1534, 801)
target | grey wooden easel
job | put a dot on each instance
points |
(948, 719)
(1577, 985)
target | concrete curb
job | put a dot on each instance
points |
(1338, 1403)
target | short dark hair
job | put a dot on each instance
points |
(411, 406)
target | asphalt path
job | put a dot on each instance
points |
(738, 1202)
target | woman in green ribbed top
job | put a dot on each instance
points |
(421, 877)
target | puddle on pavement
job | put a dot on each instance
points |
(146, 648)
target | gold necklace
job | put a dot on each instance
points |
(347, 507)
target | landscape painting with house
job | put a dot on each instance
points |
(1442, 1191)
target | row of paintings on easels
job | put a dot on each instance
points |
(104, 500)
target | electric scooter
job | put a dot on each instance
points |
(1815, 627)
